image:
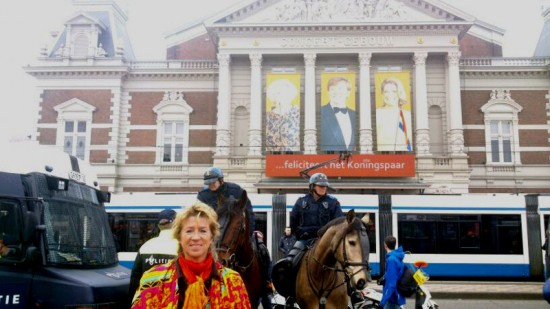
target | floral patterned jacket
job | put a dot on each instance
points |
(163, 286)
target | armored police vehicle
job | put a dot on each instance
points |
(56, 247)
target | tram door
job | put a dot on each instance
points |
(131, 230)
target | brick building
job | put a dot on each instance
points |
(470, 121)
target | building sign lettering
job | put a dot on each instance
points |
(372, 41)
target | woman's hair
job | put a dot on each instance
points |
(282, 92)
(400, 90)
(198, 210)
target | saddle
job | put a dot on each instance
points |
(285, 271)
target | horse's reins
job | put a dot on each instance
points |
(345, 264)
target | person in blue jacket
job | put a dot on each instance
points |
(313, 210)
(391, 299)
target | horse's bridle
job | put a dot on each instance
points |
(345, 264)
(230, 249)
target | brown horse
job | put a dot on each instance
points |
(336, 264)
(235, 249)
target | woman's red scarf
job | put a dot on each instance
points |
(195, 274)
(192, 270)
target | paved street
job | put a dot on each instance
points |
(487, 304)
(478, 294)
(485, 290)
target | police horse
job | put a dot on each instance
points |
(235, 248)
(333, 268)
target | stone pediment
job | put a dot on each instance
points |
(81, 19)
(341, 11)
(173, 103)
(75, 105)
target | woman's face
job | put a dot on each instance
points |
(196, 238)
(391, 97)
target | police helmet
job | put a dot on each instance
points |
(319, 179)
(212, 174)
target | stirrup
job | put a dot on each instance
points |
(289, 303)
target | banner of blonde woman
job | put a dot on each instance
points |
(393, 111)
(282, 107)
(338, 129)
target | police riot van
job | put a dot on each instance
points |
(56, 246)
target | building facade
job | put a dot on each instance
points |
(256, 91)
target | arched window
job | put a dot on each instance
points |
(240, 127)
(435, 120)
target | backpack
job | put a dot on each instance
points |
(406, 285)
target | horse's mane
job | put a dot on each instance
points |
(228, 207)
(355, 225)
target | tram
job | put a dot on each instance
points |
(461, 236)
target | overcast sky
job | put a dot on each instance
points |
(25, 26)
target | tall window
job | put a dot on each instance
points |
(74, 127)
(172, 141)
(501, 141)
(501, 129)
(75, 138)
(173, 129)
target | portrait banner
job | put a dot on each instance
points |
(337, 125)
(282, 107)
(393, 111)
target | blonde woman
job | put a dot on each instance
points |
(393, 122)
(194, 279)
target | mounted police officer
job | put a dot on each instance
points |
(314, 210)
(217, 191)
(310, 212)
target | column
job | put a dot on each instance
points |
(421, 104)
(224, 114)
(310, 132)
(365, 111)
(455, 108)
(255, 128)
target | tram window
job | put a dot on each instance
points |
(447, 239)
(469, 237)
(371, 231)
(469, 218)
(416, 217)
(449, 218)
(261, 223)
(502, 234)
(460, 234)
(130, 231)
(417, 237)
